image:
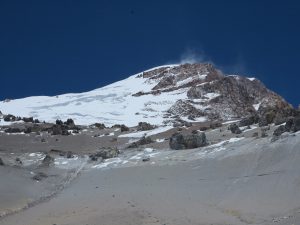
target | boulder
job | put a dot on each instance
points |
(28, 119)
(19, 161)
(70, 123)
(179, 141)
(9, 118)
(39, 176)
(146, 159)
(1, 162)
(234, 129)
(47, 160)
(124, 128)
(69, 155)
(142, 126)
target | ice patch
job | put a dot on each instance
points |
(256, 106)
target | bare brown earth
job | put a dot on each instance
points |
(236, 179)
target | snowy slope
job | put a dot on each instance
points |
(167, 94)
(112, 104)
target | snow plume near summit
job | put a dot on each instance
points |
(192, 56)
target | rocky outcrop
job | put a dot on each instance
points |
(104, 154)
(100, 126)
(143, 126)
(28, 119)
(187, 92)
(293, 124)
(180, 141)
(184, 108)
(165, 82)
(250, 120)
(234, 129)
(59, 130)
(143, 141)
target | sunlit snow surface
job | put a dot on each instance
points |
(112, 104)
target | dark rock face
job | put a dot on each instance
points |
(143, 141)
(296, 124)
(234, 129)
(165, 82)
(185, 109)
(279, 119)
(143, 126)
(279, 130)
(180, 141)
(292, 124)
(235, 96)
(1, 162)
(249, 121)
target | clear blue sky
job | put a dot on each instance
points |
(55, 47)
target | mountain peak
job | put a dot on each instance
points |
(161, 95)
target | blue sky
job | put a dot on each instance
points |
(55, 47)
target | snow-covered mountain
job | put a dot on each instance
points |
(188, 92)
